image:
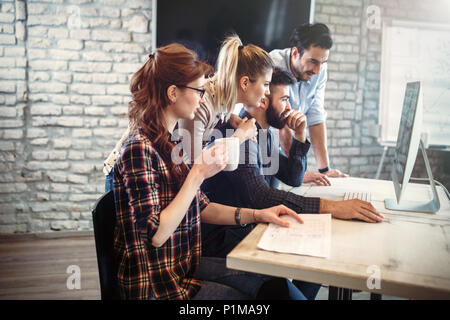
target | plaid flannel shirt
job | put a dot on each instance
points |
(143, 187)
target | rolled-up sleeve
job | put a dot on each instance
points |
(292, 169)
(203, 201)
(141, 183)
(316, 113)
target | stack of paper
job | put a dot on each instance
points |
(312, 238)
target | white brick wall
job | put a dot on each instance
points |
(63, 85)
(351, 98)
(64, 91)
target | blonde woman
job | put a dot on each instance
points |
(243, 76)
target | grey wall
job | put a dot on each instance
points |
(352, 94)
(64, 91)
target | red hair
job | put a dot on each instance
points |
(169, 65)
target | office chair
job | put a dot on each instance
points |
(104, 219)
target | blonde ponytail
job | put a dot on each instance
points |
(233, 62)
(226, 74)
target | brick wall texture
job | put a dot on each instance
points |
(65, 67)
(352, 94)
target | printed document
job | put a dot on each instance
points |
(312, 237)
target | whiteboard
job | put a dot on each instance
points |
(413, 51)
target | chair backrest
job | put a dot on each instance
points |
(104, 219)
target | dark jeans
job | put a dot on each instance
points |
(309, 289)
(109, 181)
(218, 241)
(221, 283)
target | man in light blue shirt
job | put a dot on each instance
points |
(306, 61)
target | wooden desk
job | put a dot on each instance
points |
(411, 250)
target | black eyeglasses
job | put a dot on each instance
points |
(201, 92)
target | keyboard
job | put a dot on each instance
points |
(365, 196)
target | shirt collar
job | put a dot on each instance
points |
(174, 137)
(244, 114)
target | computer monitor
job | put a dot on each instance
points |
(408, 144)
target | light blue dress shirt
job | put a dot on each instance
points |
(306, 96)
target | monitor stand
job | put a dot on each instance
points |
(417, 206)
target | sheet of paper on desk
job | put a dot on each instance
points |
(312, 238)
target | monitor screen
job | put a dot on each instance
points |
(408, 144)
(405, 130)
(202, 25)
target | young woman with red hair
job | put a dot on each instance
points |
(158, 201)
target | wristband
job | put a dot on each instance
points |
(323, 170)
(237, 217)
